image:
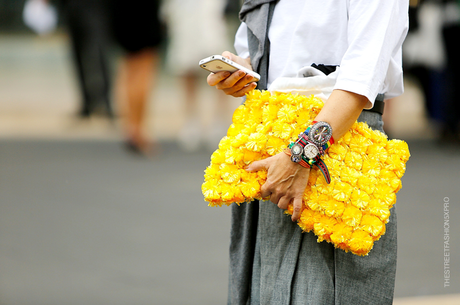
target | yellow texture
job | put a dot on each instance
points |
(366, 170)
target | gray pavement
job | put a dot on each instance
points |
(432, 178)
(84, 222)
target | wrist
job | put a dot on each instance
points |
(311, 145)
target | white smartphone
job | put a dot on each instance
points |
(217, 63)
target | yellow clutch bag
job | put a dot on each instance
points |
(365, 167)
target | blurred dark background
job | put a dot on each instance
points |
(10, 16)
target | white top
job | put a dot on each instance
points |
(364, 37)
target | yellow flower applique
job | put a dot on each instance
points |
(256, 142)
(365, 167)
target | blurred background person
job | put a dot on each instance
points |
(139, 32)
(424, 59)
(197, 29)
(88, 24)
(431, 60)
(450, 129)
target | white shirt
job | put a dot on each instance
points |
(364, 37)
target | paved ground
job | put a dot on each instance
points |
(84, 222)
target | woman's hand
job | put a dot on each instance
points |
(286, 181)
(236, 84)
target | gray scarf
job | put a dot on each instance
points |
(257, 15)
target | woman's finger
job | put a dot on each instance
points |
(215, 78)
(297, 203)
(265, 191)
(245, 90)
(235, 81)
(258, 165)
(243, 86)
(284, 202)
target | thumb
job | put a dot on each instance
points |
(229, 55)
(237, 59)
(257, 166)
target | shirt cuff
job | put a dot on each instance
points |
(358, 88)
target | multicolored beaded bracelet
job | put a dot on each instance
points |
(302, 162)
(326, 145)
(309, 163)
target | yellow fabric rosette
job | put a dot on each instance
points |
(365, 167)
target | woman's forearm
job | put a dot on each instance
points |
(341, 110)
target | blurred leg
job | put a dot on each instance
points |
(137, 78)
(88, 29)
(190, 83)
(190, 134)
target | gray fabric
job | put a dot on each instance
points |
(257, 16)
(262, 66)
(290, 267)
(273, 262)
(242, 244)
(245, 216)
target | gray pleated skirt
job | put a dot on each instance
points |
(273, 262)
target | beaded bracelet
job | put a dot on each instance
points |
(302, 162)
(319, 163)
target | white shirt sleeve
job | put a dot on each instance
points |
(372, 61)
(241, 41)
